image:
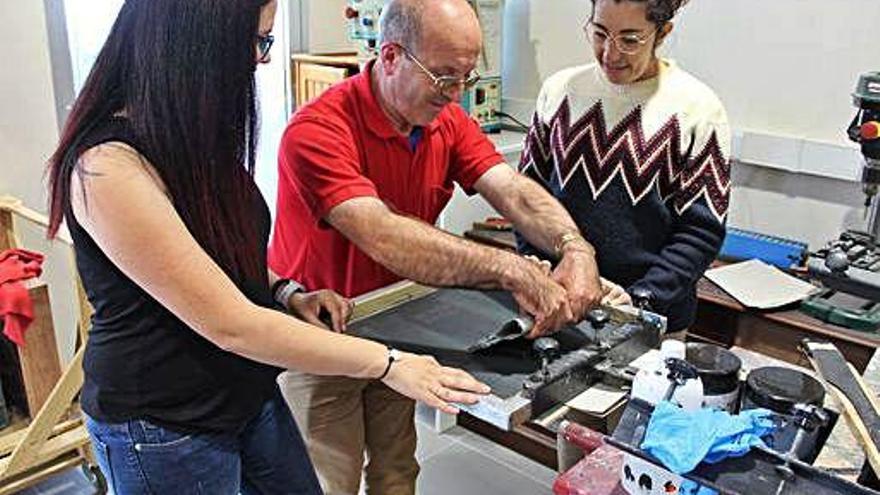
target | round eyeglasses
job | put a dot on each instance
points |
(628, 43)
(444, 84)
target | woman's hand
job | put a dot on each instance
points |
(422, 378)
(614, 295)
(309, 306)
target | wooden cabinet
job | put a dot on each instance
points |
(314, 74)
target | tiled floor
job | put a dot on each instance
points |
(457, 462)
(72, 482)
(465, 463)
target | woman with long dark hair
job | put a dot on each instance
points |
(154, 177)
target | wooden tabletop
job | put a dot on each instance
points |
(709, 292)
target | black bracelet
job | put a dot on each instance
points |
(391, 359)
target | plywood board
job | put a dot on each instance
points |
(40, 366)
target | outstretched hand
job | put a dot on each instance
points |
(422, 378)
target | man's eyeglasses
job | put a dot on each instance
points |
(628, 43)
(444, 84)
(264, 44)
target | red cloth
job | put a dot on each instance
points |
(598, 473)
(16, 307)
(342, 146)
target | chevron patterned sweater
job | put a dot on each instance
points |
(644, 170)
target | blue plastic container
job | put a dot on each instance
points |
(777, 251)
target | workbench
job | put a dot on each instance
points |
(418, 319)
(722, 320)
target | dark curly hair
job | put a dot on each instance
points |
(659, 11)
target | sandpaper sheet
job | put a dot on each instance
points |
(448, 322)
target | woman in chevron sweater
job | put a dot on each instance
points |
(638, 151)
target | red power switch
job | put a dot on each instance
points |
(870, 130)
(351, 13)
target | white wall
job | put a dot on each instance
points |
(28, 134)
(784, 69)
(319, 26)
(28, 122)
(274, 91)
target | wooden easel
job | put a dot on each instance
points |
(55, 440)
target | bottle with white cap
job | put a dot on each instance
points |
(652, 380)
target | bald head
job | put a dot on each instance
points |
(424, 41)
(419, 23)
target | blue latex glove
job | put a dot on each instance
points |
(682, 439)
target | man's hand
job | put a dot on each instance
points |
(309, 306)
(540, 297)
(578, 273)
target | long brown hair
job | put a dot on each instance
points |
(182, 71)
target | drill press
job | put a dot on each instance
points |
(850, 265)
(865, 130)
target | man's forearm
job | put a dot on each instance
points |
(541, 219)
(538, 216)
(425, 254)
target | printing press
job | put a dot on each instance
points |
(483, 333)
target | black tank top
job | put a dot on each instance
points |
(142, 362)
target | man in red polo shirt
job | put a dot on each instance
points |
(364, 171)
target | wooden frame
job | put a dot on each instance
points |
(313, 74)
(51, 443)
(40, 364)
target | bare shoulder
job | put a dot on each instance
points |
(114, 180)
(116, 161)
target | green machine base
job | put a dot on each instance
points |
(844, 309)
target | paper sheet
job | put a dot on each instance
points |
(756, 284)
(597, 399)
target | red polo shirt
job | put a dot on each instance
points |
(342, 146)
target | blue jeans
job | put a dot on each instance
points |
(267, 458)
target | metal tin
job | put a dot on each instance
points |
(779, 389)
(719, 372)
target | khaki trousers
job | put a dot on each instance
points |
(342, 419)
